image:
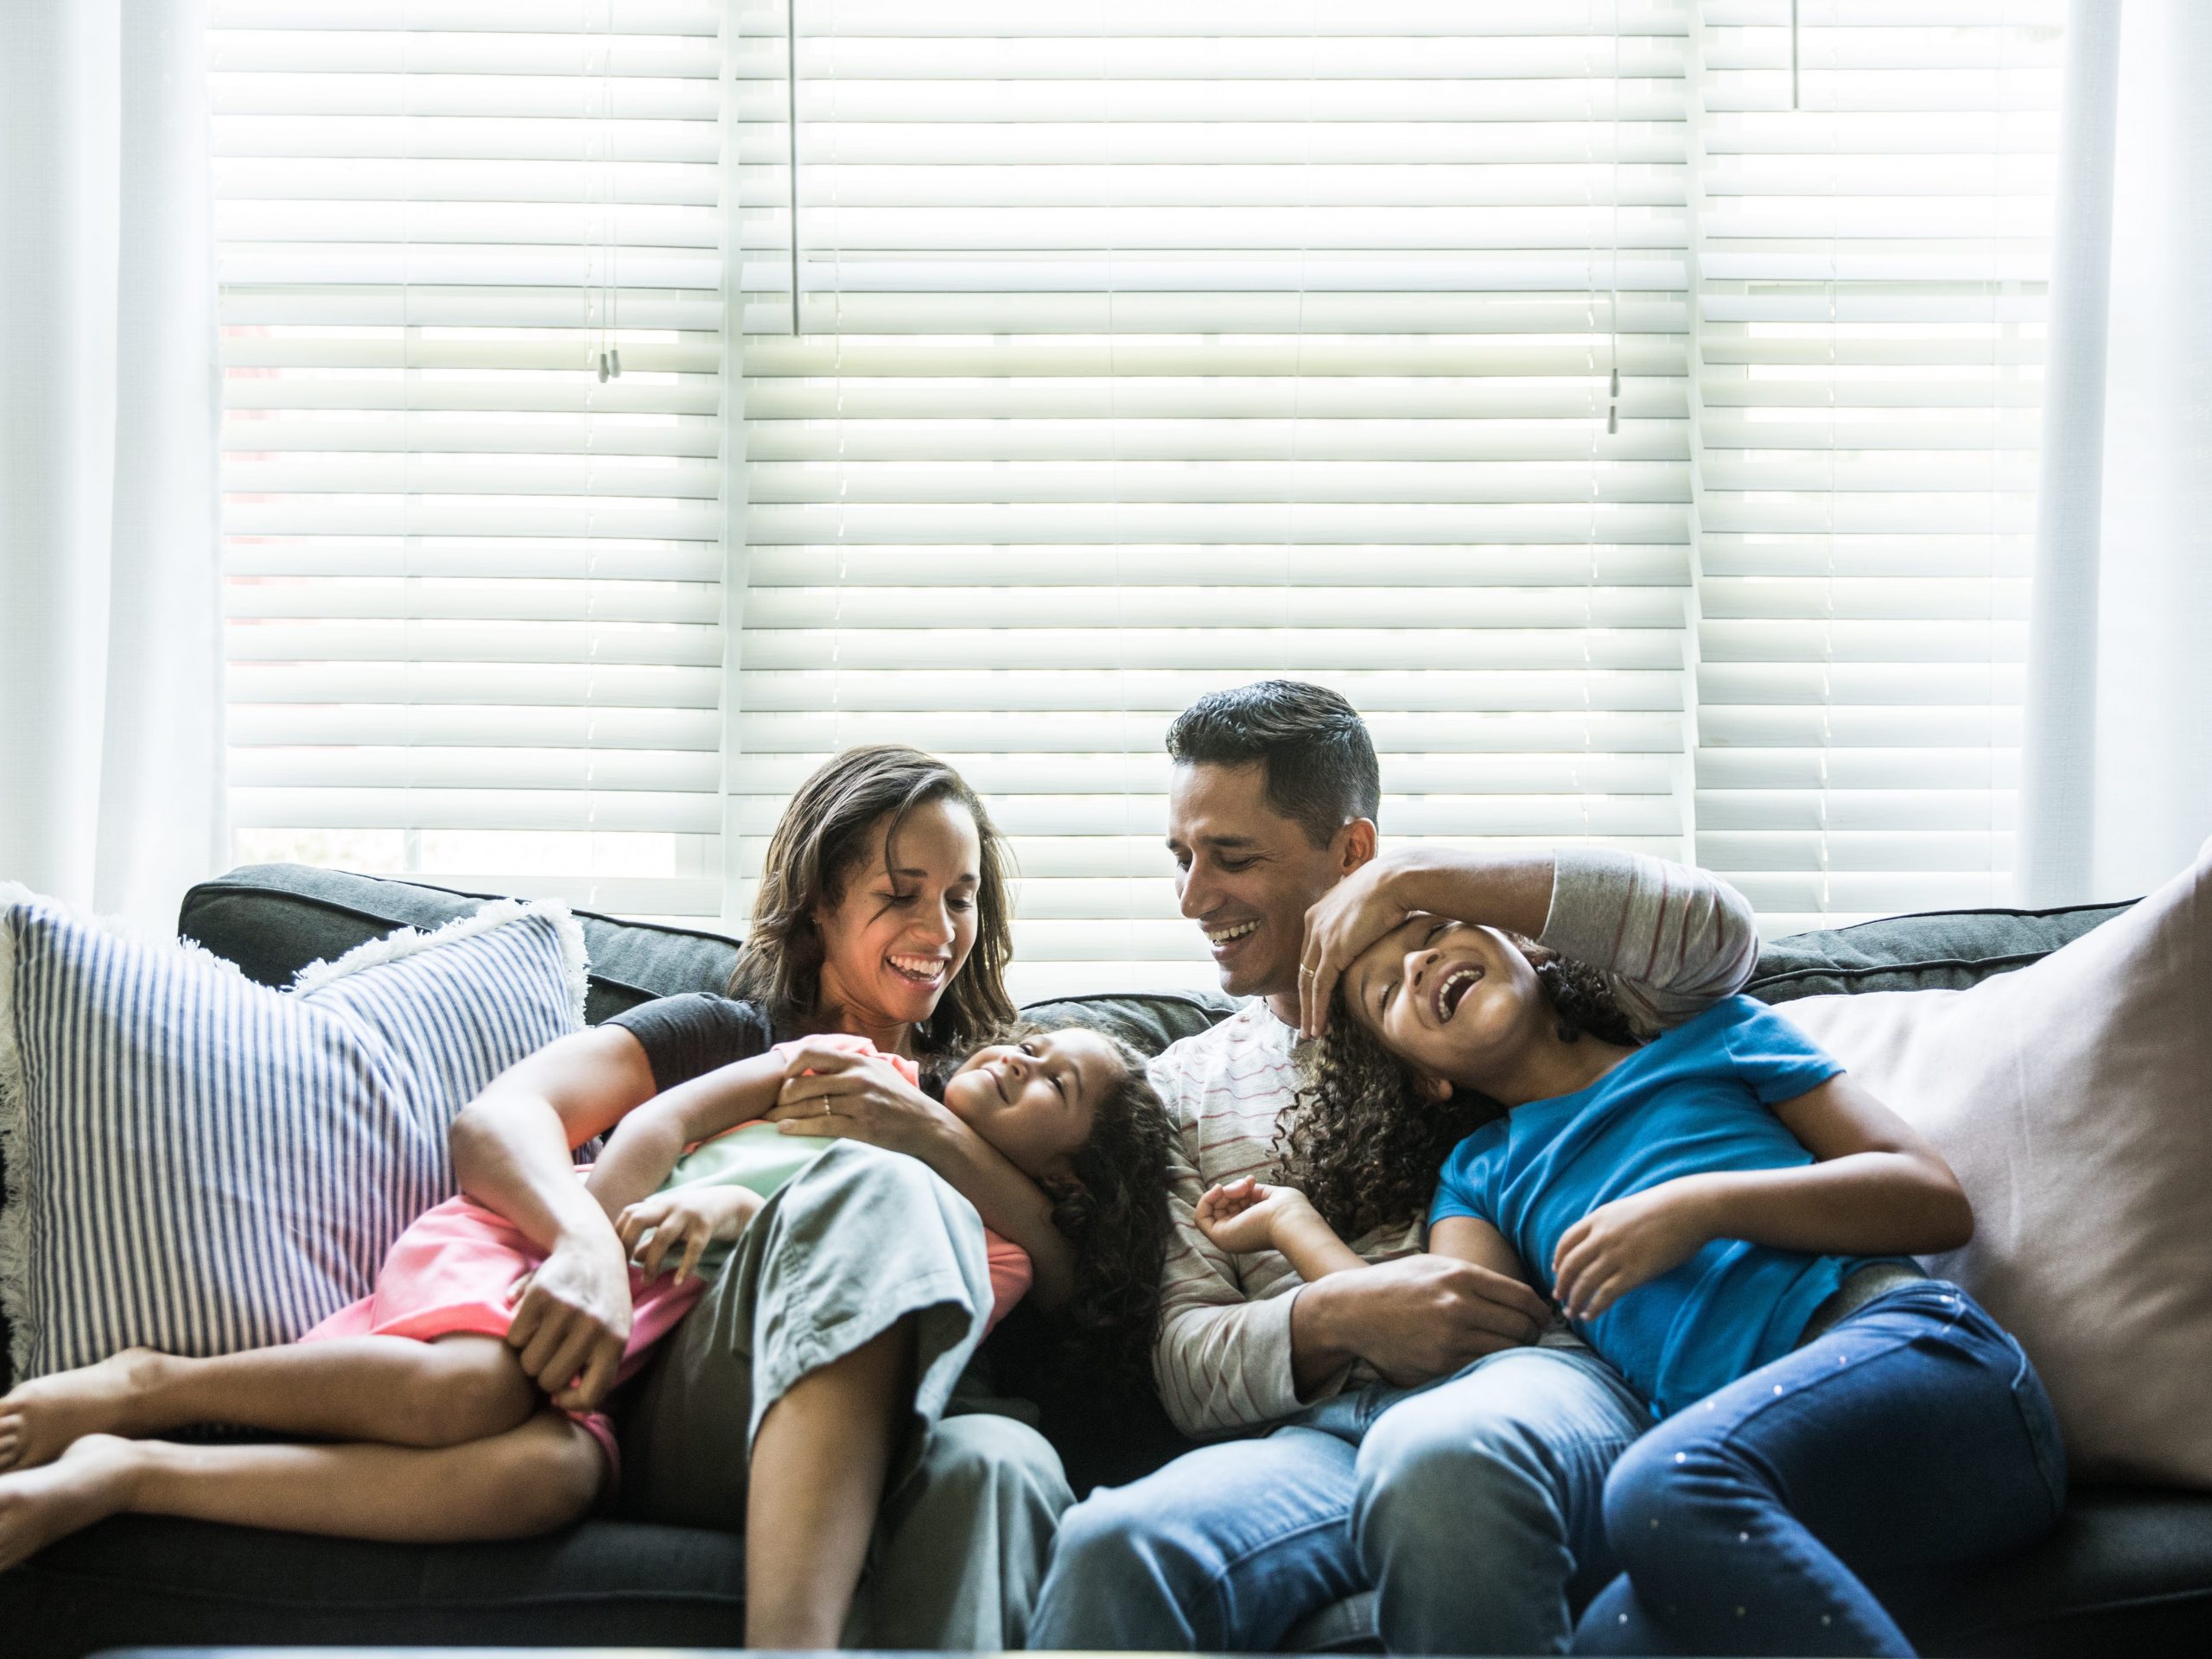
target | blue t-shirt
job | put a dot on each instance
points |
(1696, 1099)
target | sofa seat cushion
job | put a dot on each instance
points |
(138, 1581)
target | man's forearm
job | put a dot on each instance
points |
(1513, 892)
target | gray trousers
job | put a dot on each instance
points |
(858, 1240)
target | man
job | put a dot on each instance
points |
(1414, 1441)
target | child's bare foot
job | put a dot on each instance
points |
(41, 1420)
(90, 1482)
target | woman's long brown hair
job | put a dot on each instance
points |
(834, 826)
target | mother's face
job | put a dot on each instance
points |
(905, 922)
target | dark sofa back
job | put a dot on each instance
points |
(274, 919)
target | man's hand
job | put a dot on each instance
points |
(572, 1321)
(1421, 1317)
(1344, 921)
(685, 1222)
(1625, 1243)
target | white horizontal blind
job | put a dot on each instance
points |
(474, 591)
(1147, 348)
(1869, 345)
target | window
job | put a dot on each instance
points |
(1148, 348)
(474, 591)
(1869, 351)
(1650, 459)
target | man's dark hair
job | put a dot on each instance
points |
(1320, 763)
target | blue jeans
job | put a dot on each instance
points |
(1914, 1434)
(1472, 1506)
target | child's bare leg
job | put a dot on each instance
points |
(392, 1389)
(818, 1468)
(528, 1480)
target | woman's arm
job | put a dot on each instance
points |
(1878, 1188)
(513, 1150)
(646, 1143)
(831, 1091)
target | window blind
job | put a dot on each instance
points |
(1145, 349)
(474, 589)
(1867, 370)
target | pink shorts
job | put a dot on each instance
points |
(449, 1274)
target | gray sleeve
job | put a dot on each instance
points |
(686, 1037)
(1671, 940)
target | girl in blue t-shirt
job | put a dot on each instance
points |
(1724, 1215)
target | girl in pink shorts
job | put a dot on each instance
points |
(460, 1268)
(444, 1436)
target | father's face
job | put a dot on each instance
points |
(1246, 875)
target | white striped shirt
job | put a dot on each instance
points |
(1671, 940)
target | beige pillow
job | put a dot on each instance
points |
(2073, 1098)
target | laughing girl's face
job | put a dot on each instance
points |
(905, 924)
(1458, 1002)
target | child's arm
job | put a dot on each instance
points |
(686, 1222)
(1469, 1238)
(1877, 1189)
(645, 1145)
(1247, 1215)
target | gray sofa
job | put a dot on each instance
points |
(2129, 1570)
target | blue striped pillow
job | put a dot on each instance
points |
(201, 1163)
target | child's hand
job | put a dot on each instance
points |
(693, 1216)
(1625, 1243)
(1242, 1217)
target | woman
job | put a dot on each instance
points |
(882, 913)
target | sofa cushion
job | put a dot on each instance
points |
(1148, 1020)
(139, 1581)
(202, 1164)
(272, 919)
(2073, 1098)
(1944, 949)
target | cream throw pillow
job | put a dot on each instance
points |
(2073, 1098)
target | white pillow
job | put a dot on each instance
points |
(2073, 1098)
(203, 1164)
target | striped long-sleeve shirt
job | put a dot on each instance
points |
(1670, 940)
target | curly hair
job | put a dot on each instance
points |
(1115, 1212)
(1365, 1149)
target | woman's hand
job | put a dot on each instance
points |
(1350, 916)
(572, 1320)
(1242, 1216)
(1628, 1243)
(829, 1091)
(692, 1218)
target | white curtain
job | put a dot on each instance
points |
(2117, 777)
(110, 663)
